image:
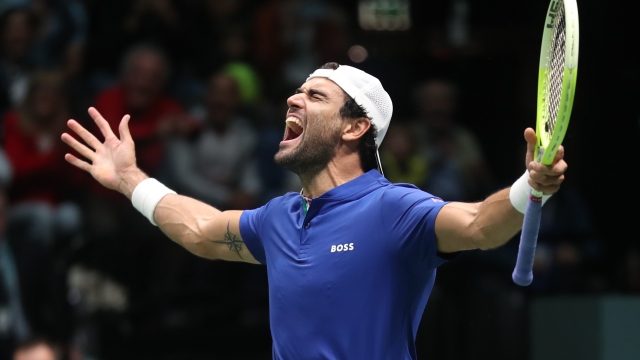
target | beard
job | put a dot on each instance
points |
(316, 148)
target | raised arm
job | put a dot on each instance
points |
(491, 223)
(201, 229)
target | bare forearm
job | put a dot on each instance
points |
(496, 221)
(200, 228)
(181, 218)
(187, 221)
(485, 225)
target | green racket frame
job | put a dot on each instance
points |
(548, 144)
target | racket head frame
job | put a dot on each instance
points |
(548, 143)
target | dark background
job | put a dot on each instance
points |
(183, 307)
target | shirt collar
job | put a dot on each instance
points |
(352, 187)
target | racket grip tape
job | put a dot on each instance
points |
(523, 272)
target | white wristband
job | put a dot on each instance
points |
(147, 195)
(520, 191)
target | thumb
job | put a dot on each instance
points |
(125, 135)
(531, 139)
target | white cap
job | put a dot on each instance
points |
(367, 92)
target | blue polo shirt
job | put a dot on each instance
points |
(351, 278)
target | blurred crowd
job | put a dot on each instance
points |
(83, 276)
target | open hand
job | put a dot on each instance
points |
(545, 178)
(112, 162)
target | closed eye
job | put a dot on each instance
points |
(312, 93)
(317, 94)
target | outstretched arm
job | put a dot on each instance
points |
(491, 223)
(200, 228)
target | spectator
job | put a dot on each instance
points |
(217, 164)
(35, 349)
(17, 27)
(400, 160)
(141, 94)
(32, 146)
(31, 140)
(456, 165)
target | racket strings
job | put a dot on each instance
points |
(555, 70)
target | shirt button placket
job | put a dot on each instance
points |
(304, 246)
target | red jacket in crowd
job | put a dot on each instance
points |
(37, 161)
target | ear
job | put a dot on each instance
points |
(354, 129)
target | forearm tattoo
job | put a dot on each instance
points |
(232, 241)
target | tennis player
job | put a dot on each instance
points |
(352, 258)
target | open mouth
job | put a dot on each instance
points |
(293, 129)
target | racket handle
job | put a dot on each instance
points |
(523, 272)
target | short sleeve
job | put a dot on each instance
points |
(251, 231)
(411, 219)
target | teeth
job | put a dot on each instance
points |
(294, 120)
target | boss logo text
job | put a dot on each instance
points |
(342, 247)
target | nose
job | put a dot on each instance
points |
(295, 101)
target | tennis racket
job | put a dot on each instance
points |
(556, 88)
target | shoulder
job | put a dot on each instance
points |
(283, 202)
(278, 207)
(406, 194)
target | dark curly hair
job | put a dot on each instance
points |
(351, 110)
